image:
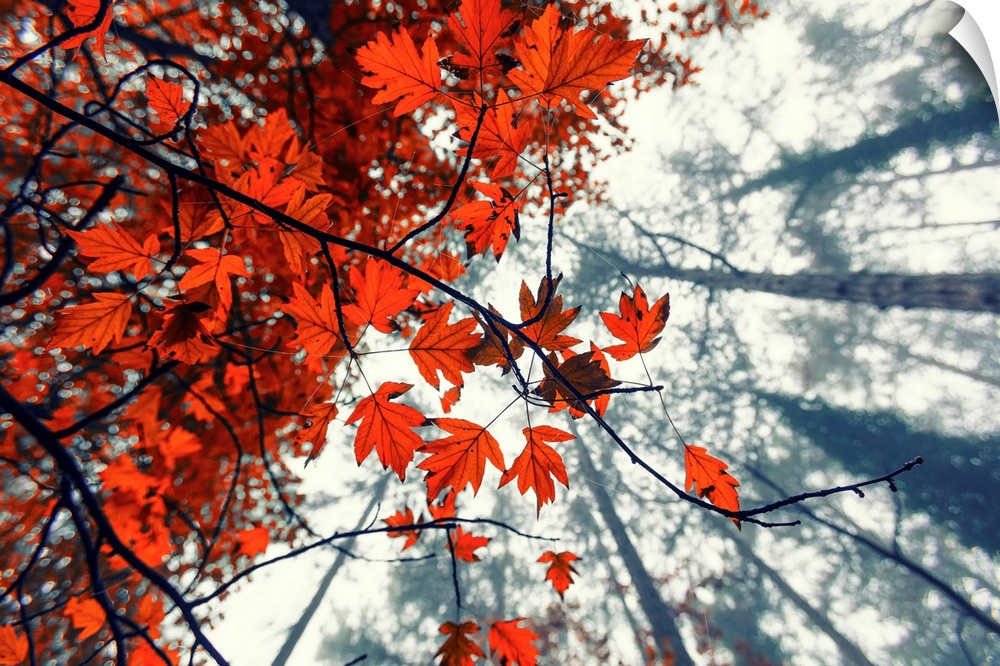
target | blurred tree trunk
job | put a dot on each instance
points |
(977, 292)
(941, 365)
(849, 651)
(662, 619)
(932, 127)
(955, 481)
(299, 628)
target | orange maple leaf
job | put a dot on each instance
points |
(318, 418)
(215, 268)
(713, 481)
(538, 463)
(182, 336)
(386, 427)
(440, 346)
(512, 644)
(464, 545)
(84, 12)
(562, 64)
(13, 646)
(450, 398)
(583, 372)
(167, 99)
(547, 331)
(114, 250)
(403, 519)
(378, 295)
(456, 461)
(482, 28)
(253, 542)
(394, 67)
(457, 649)
(500, 137)
(489, 223)
(490, 350)
(316, 327)
(638, 325)
(266, 184)
(180, 443)
(93, 325)
(560, 569)
(86, 615)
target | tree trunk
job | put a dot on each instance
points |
(661, 618)
(966, 292)
(941, 365)
(299, 628)
(848, 650)
(932, 128)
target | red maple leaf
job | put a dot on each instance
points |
(13, 646)
(457, 649)
(583, 372)
(397, 70)
(489, 223)
(403, 518)
(638, 325)
(456, 461)
(513, 645)
(378, 296)
(84, 12)
(253, 542)
(538, 463)
(547, 331)
(500, 138)
(479, 27)
(562, 64)
(442, 347)
(316, 327)
(216, 269)
(464, 545)
(491, 350)
(560, 569)
(318, 418)
(167, 99)
(86, 615)
(93, 325)
(387, 427)
(114, 250)
(445, 508)
(713, 482)
(183, 336)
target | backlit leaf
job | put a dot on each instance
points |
(442, 347)
(400, 74)
(489, 224)
(387, 427)
(378, 296)
(114, 250)
(563, 63)
(458, 650)
(93, 325)
(538, 463)
(13, 646)
(513, 645)
(713, 482)
(457, 461)
(638, 325)
(464, 545)
(561, 570)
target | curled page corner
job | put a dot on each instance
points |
(979, 33)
